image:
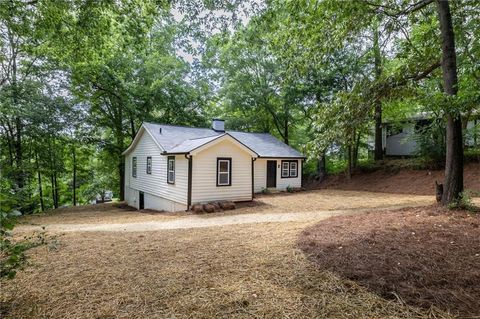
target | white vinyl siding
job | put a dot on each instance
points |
(204, 178)
(156, 183)
(260, 177)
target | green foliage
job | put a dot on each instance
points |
(290, 189)
(430, 140)
(79, 77)
(12, 252)
(464, 202)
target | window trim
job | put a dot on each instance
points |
(229, 160)
(170, 158)
(134, 166)
(149, 165)
(290, 175)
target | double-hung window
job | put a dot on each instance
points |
(224, 171)
(149, 165)
(134, 167)
(171, 170)
(289, 169)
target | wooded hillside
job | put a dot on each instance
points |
(78, 78)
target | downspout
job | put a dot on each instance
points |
(189, 185)
(253, 176)
(301, 175)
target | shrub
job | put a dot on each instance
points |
(464, 202)
(12, 252)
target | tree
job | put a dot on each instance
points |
(453, 185)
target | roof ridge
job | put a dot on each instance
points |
(184, 126)
(205, 128)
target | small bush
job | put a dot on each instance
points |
(265, 190)
(464, 202)
(290, 189)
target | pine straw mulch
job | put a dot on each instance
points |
(240, 271)
(397, 180)
(425, 257)
(92, 214)
(314, 200)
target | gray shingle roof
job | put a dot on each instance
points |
(181, 139)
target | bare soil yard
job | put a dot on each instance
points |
(425, 256)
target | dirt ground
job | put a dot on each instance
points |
(426, 257)
(405, 181)
(251, 270)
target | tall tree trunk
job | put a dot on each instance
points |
(40, 190)
(52, 183)
(285, 128)
(453, 184)
(121, 174)
(349, 162)
(56, 189)
(355, 150)
(321, 167)
(378, 103)
(120, 137)
(74, 182)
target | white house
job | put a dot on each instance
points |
(398, 139)
(173, 167)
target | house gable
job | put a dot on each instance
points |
(143, 130)
(204, 180)
(220, 139)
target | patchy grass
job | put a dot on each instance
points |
(242, 271)
(426, 257)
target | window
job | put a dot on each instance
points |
(224, 171)
(289, 169)
(293, 169)
(285, 169)
(171, 170)
(134, 166)
(149, 165)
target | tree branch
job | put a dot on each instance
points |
(393, 12)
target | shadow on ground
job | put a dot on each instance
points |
(422, 256)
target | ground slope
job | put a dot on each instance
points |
(425, 257)
(403, 181)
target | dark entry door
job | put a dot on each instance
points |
(142, 200)
(271, 173)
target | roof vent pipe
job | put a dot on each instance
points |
(218, 125)
(160, 130)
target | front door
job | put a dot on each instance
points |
(141, 200)
(271, 174)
